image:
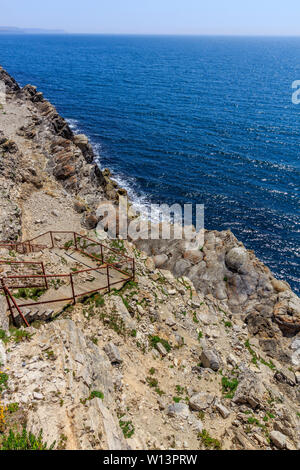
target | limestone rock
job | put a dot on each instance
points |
(287, 313)
(178, 409)
(201, 401)
(160, 260)
(249, 390)
(3, 358)
(113, 353)
(210, 360)
(236, 258)
(224, 412)
(4, 321)
(161, 349)
(278, 439)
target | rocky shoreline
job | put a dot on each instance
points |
(227, 356)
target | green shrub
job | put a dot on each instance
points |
(229, 387)
(24, 441)
(177, 399)
(96, 394)
(154, 340)
(127, 428)
(208, 441)
(26, 293)
(13, 407)
(3, 381)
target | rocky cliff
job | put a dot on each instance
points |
(201, 351)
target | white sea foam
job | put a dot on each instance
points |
(140, 203)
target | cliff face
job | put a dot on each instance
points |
(204, 341)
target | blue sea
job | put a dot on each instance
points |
(207, 120)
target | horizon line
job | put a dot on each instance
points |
(57, 32)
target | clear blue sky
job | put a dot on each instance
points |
(246, 17)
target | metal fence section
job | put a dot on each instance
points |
(66, 287)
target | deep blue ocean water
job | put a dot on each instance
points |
(186, 119)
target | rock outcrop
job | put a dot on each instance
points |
(201, 350)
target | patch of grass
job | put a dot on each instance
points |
(4, 337)
(96, 394)
(18, 336)
(114, 322)
(200, 335)
(93, 394)
(68, 245)
(13, 407)
(228, 324)
(127, 428)
(268, 416)
(180, 390)
(3, 381)
(50, 355)
(256, 359)
(24, 441)
(229, 387)
(154, 340)
(177, 399)
(152, 371)
(153, 383)
(118, 244)
(208, 441)
(33, 293)
(187, 286)
(56, 283)
(93, 299)
(195, 319)
(133, 333)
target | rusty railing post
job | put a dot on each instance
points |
(52, 241)
(102, 257)
(45, 278)
(8, 303)
(72, 286)
(16, 306)
(75, 241)
(133, 269)
(108, 281)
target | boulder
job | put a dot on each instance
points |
(160, 260)
(210, 360)
(287, 313)
(201, 401)
(161, 349)
(224, 412)
(236, 258)
(113, 353)
(178, 410)
(278, 439)
(91, 221)
(82, 142)
(79, 207)
(249, 391)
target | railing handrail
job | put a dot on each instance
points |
(29, 245)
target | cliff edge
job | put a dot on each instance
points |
(201, 351)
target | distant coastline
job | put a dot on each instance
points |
(15, 30)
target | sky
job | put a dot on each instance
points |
(224, 17)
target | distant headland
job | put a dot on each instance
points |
(15, 30)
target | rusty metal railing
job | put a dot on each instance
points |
(116, 261)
